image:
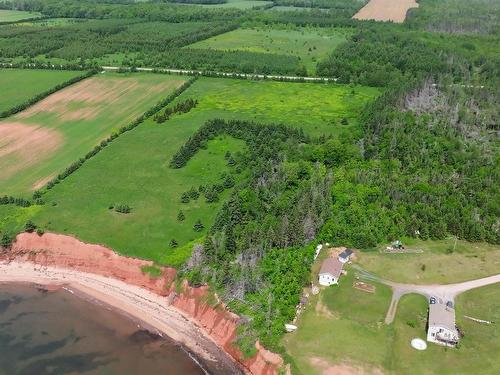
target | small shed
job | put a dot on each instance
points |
(345, 255)
(330, 272)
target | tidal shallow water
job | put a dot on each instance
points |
(57, 333)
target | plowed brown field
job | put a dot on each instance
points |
(386, 10)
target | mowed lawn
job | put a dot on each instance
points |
(345, 326)
(16, 15)
(134, 169)
(43, 140)
(309, 44)
(20, 85)
(441, 262)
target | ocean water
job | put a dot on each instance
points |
(57, 332)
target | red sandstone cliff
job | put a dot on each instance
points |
(64, 251)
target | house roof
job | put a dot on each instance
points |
(442, 316)
(345, 253)
(331, 266)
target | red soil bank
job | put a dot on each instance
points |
(65, 251)
(221, 324)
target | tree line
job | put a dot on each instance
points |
(150, 112)
(181, 107)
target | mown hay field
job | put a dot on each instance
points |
(43, 140)
(134, 169)
(308, 43)
(386, 10)
(442, 261)
(20, 85)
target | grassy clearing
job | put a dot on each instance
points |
(69, 123)
(19, 85)
(134, 170)
(16, 15)
(309, 44)
(442, 264)
(317, 108)
(345, 326)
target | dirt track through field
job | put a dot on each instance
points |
(386, 10)
(25, 145)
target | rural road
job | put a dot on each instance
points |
(228, 75)
(446, 292)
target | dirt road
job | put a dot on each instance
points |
(446, 292)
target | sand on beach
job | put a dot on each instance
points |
(150, 308)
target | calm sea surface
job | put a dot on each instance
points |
(58, 333)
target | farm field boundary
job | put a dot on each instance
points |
(215, 74)
(139, 160)
(42, 140)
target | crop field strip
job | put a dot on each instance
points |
(41, 141)
(139, 160)
(20, 85)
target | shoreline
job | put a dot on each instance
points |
(151, 311)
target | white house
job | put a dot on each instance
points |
(345, 255)
(330, 272)
(442, 329)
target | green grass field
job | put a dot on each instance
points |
(309, 44)
(134, 170)
(20, 85)
(317, 108)
(47, 137)
(16, 15)
(439, 263)
(341, 325)
(345, 326)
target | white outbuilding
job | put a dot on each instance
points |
(345, 255)
(330, 272)
(442, 329)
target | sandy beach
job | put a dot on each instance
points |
(137, 302)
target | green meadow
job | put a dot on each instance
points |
(69, 123)
(16, 15)
(20, 85)
(134, 170)
(317, 108)
(308, 43)
(345, 326)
